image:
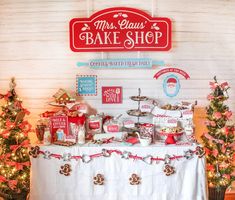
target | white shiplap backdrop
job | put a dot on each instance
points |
(34, 48)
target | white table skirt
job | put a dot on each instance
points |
(188, 182)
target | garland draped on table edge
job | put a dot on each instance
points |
(149, 159)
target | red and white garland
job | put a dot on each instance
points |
(149, 159)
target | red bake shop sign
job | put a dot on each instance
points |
(120, 29)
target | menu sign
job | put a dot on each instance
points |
(120, 29)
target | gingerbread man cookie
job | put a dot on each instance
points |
(98, 179)
(65, 169)
(169, 170)
(134, 179)
(34, 151)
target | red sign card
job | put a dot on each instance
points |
(120, 29)
(111, 95)
(58, 122)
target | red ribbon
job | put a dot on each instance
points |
(96, 155)
(55, 156)
(12, 184)
(4, 156)
(115, 151)
(232, 145)
(136, 157)
(5, 134)
(9, 124)
(158, 159)
(209, 137)
(25, 126)
(76, 157)
(25, 144)
(7, 96)
(176, 157)
(2, 179)
(26, 111)
(18, 166)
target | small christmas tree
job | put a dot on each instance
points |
(14, 158)
(219, 141)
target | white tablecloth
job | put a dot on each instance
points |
(188, 182)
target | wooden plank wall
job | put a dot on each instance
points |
(34, 48)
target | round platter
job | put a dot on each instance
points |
(139, 98)
(137, 113)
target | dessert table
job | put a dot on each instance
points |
(118, 166)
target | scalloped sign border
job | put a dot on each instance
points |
(120, 29)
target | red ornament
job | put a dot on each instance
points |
(212, 123)
(226, 130)
(217, 115)
(210, 168)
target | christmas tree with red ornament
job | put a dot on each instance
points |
(219, 141)
(14, 158)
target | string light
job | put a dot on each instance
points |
(210, 174)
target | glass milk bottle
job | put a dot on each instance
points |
(81, 134)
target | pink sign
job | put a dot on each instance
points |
(58, 122)
(111, 95)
